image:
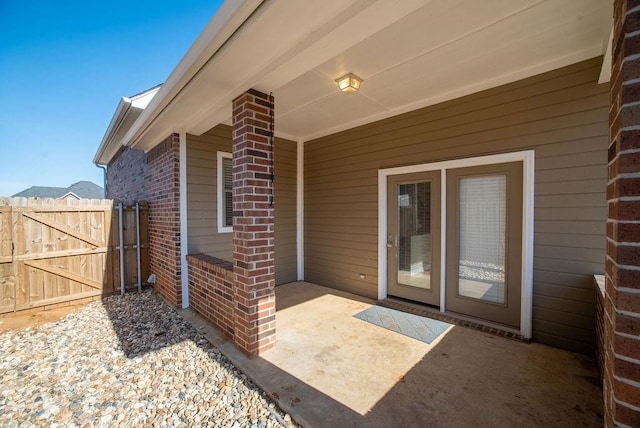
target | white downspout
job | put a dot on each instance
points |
(104, 178)
(184, 231)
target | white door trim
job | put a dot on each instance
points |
(527, 157)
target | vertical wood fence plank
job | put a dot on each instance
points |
(20, 274)
(7, 275)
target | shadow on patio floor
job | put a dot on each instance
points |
(331, 369)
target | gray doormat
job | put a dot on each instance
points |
(420, 328)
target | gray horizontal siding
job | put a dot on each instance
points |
(202, 191)
(562, 115)
(285, 196)
(202, 194)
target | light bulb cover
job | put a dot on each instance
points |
(349, 83)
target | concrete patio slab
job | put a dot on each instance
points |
(331, 369)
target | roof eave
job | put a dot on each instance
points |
(108, 145)
(230, 16)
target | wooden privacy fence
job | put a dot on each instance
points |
(55, 251)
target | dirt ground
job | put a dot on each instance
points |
(24, 319)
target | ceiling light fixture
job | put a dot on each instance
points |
(349, 83)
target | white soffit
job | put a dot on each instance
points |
(277, 42)
(445, 50)
(411, 54)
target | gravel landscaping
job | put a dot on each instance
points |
(125, 361)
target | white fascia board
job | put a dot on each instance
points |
(224, 24)
(107, 144)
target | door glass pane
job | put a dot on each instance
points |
(483, 210)
(414, 234)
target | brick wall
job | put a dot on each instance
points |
(211, 291)
(127, 175)
(163, 195)
(622, 282)
(154, 177)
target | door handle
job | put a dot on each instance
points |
(389, 240)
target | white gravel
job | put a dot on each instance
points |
(125, 361)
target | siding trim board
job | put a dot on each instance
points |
(300, 210)
(527, 158)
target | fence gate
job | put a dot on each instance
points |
(56, 251)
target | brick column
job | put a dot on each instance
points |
(622, 298)
(253, 237)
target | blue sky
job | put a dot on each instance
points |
(63, 67)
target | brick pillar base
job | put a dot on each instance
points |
(622, 299)
(253, 235)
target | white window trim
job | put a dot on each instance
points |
(527, 158)
(220, 187)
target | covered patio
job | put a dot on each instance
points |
(329, 368)
(484, 164)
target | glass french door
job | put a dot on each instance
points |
(413, 239)
(484, 242)
(483, 248)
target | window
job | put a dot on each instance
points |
(225, 193)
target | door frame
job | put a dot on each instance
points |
(527, 157)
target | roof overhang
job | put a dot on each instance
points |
(127, 111)
(411, 54)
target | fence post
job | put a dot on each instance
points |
(138, 250)
(121, 235)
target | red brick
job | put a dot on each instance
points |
(631, 92)
(628, 325)
(624, 187)
(625, 210)
(628, 302)
(631, 69)
(630, 114)
(627, 393)
(627, 255)
(626, 232)
(627, 346)
(627, 370)
(625, 415)
(627, 278)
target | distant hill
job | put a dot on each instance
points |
(79, 190)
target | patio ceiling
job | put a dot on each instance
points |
(410, 54)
